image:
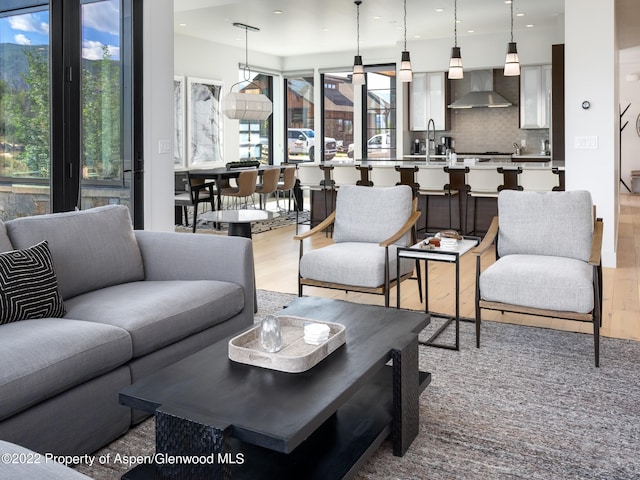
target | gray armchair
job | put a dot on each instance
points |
(369, 224)
(547, 259)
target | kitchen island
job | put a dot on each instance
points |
(467, 199)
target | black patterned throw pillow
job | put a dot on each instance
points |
(28, 285)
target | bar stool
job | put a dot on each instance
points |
(311, 179)
(408, 177)
(560, 173)
(538, 180)
(384, 176)
(510, 178)
(458, 181)
(483, 183)
(433, 182)
(365, 173)
(345, 175)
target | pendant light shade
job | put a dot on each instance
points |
(455, 64)
(405, 74)
(512, 62)
(358, 69)
(243, 105)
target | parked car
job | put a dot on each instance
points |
(301, 141)
(378, 146)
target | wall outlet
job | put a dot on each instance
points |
(523, 142)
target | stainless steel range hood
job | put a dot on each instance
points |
(482, 93)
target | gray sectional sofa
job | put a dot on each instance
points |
(134, 301)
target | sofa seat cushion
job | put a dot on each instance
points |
(351, 263)
(34, 466)
(43, 357)
(539, 281)
(159, 313)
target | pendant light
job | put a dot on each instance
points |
(405, 74)
(455, 64)
(243, 105)
(358, 69)
(512, 62)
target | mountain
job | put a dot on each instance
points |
(14, 63)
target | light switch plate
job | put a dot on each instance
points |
(164, 146)
(586, 143)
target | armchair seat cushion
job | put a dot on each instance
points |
(159, 313)
(539, 281)
(351, 263)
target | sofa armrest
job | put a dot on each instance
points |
(190, 256)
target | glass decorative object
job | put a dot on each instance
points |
(270, 334)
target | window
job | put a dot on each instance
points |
(337, 113)
(256, 136)
(69, 133)
(300, 112)
(380, 114)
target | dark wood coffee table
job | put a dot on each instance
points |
(320, 424)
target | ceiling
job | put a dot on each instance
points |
(313, 26)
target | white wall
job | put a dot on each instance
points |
(199, 58)
(158, 114)
(630, 94)
(591, 74)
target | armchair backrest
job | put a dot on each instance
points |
(371, 214)
(545, 223)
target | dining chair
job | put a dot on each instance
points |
(247, 181)
(269, 184)
(198, 191)
(286, 185)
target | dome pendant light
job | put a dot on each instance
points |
(358, 69)
(455, 64)
(242, 105)
(512, 62)
(405, 74)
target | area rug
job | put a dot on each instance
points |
(529, 404)
(285, 219)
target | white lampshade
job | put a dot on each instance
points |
(512, 62)
(358, 71)
(455, 64)
(405, 74)
(247, 106)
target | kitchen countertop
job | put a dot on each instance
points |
(534, 165)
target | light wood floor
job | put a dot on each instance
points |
(276, 259)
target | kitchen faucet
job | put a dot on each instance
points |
(431, 137)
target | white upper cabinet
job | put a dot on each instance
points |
(535, 96)
(428, 100)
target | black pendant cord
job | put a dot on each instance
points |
(455, 23)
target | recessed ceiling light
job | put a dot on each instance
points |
(325, 29)
(530, 25)
(277, 12)
(182, 24)
(519, 14)
(439, 9)
(417, 36)
(471, 31)
(377, 17)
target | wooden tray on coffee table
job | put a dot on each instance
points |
(295, 356)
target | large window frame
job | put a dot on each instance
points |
(372, 118)
(65, 70)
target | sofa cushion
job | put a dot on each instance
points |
(158, 313)
(5, 243)
(43, 357)
(33, 466)
(351, 263)
(91, 249)
(538, 281)
(371, 214)
(545, 223)
(28, 285)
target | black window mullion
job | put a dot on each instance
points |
(66, 75)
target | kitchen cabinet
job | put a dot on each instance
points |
(428, 99)
(535, 96)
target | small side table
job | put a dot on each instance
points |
(437, 254)
(239, 220)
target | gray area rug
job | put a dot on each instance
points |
(528, 405)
